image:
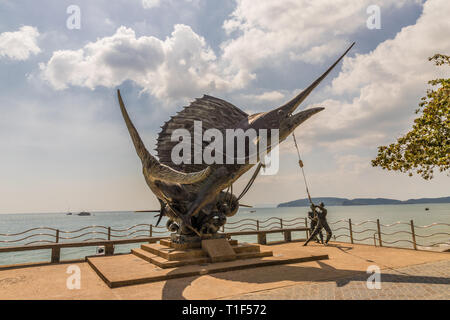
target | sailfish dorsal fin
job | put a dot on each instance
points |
(214, 113)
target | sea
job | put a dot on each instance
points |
(431, 224)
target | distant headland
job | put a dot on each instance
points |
(332, 201)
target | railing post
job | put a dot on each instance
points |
(413, 235)
(57, 236)
(257, 225)
(262, 238)
(351, 231)
(56, 253)
(151, 230)
(109, 233)
(287, 236)
(306, 225)
(281, 223)
(109, 249)
(379, 232)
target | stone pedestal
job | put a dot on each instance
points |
(192, 240)
(169, 254)
(161, 262)
(218, 250)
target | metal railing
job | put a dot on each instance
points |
(343, 228)
(47, 235)
(55, 239)
(90, 233)
(379, 235)
(109, 237)
(267, 224)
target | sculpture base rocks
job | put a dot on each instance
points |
(168, 254)
(193, 241)
(163, 261)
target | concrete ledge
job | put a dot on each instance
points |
(126, 270)
(38, 264)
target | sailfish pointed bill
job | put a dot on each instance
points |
(290, 107)
(156, 170)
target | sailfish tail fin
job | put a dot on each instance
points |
(158, 171)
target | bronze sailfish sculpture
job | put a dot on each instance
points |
(192, 194)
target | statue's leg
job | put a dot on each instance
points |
(312, 228)
(328, 230)
(314, 234)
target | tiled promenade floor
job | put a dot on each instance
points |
(405, 274)
(425, 281)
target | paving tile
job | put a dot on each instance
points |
(425, 281)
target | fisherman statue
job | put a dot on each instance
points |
(193, 194)
(321, 223)
(312, 215)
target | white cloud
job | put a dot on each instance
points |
(148, 4)
(353, 143)
(268, 96)
(182, 65)
(386, 84)
(21, 44)
(352, 164)
(301, 29)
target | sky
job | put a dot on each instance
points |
(63, 143)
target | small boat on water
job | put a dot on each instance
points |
(426, 209)
(84, 213)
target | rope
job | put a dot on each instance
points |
(300, 163)
(255, 174)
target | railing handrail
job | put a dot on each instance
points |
(246, 224)
(23, 232)
(28, 237)
(228, 223)
(255, 230)
(109, 244)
